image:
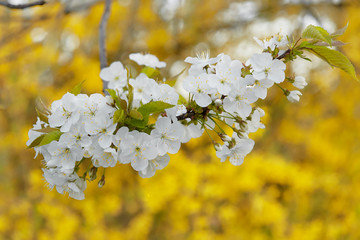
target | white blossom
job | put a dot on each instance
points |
(156, 164)
(137, 148)
(299, 82)
(200, 88)
(203, 59)
(64, 112)
(148, 60)
(115, 74)
(167, 135)
(265, 67)
(294, 96)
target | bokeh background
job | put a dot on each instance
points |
(301, 181)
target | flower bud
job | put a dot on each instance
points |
(217, 147)
(224, 137)
(101, 183)
(218, 102)
(92, 173)
(294, 96)
(299, 82)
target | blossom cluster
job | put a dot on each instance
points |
(142, 119)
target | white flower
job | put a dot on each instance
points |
(254, 124)
(260, 87)
(203, 59)
(143, 86)
(167, 135)
(275, 41)
(148, 60)
(115, 74)
(200, 88)
(137, 148)
(165, 93)
(105, 158)
(265, 67)
(156, 164)
(70, 183)
(192, 131)
(227, 72)
(294, 96)
(64, 112)
(175, 111)
(35, 134)
(103, 127)
(240, 98)
(63, 156)
(76, 136)
(55, 177)
(299, 82)
(236, 153)
(96, 104)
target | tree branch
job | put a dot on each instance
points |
(284, 54)
(102, 38)
(22, 6)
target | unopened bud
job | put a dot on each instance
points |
(218, 102)
(92, 173)
(225, 137)
(101, 183)
(217, 147)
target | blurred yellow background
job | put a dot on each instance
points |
(301, 181)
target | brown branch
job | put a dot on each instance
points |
(284, 54)
(22, 6)
(102, 38)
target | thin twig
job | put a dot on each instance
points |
(22, 6)
(284, 54)
(102, 38)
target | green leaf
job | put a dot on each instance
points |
(45, 130)
(114, 96)
(150, 72)
(37, 141)
(136, 115)
(77, 89)
(119, 116)
(334, 58)
(339, 32)
(154, 107)
(42, 111)
(49, 137)
(316, 33)
(333, 43)
(137, 123)
(123, 105)
(130, 95)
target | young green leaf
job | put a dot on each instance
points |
(49, 137)
(137, 123)
(334, 58)
(136, 115)
(45, 130)
(150, 72)
(154, 107)
(42, 111)
(316, 33)
(37, 141)
(119, 116)
(123, 105)
(77, 89)
(114, 96)
(339, 32)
